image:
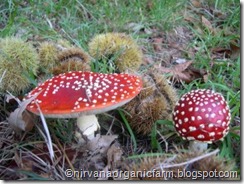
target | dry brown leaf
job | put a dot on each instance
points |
(189, 17)
(185, 72)
(198, 73)
(207, 24)
(196, 3)
(18, 120)
(219, 14)
(219, 52)
(114, 155)
(96, 157)
(21, 120)
(176, 69)
(235, 50)
(157, 44)
(101, 142)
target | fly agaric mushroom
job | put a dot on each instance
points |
(203, 116)
(81, 95)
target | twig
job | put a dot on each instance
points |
(65, 155)
(164, 140)
(2, 76)
(162, 166)
(49, 22)
(48, 139)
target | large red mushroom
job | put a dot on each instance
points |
(81, 95)
(203, 116)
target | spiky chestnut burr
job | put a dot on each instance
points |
(18, 60)
(173, 167)
(72, 59)
(120, 47)
(48, 53)
(155, 102)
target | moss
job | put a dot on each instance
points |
(120, 47)
(19, 59)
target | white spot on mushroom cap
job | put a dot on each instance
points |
(202, 126)
(210, 125)
(186, 120)
(192, 128)
(212, 134)
(200, 136)
(203, 110)
(199, 117)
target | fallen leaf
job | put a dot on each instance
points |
(101, 142)
(19, 121)
(220, 52)
(189, 17)
(95, 154)
(114, 155)
(176, 69)
(196, 3)
(235, 50)
(198, 73)
(184, 72)
(157, 44)
(207, 24)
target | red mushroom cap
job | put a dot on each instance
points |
(202, 115)
(79, 93)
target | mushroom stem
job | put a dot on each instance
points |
(198, 146)
(87, 126)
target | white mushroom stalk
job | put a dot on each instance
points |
(82, 95)
(202, 116)
(87, 126)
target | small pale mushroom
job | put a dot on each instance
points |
(81, 95)
(202, 116)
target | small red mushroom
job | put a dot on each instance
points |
(202, 115)
(81, 95)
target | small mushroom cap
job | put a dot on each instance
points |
(202, 115)
(72, 94)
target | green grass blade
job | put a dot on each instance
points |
(133, 138)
